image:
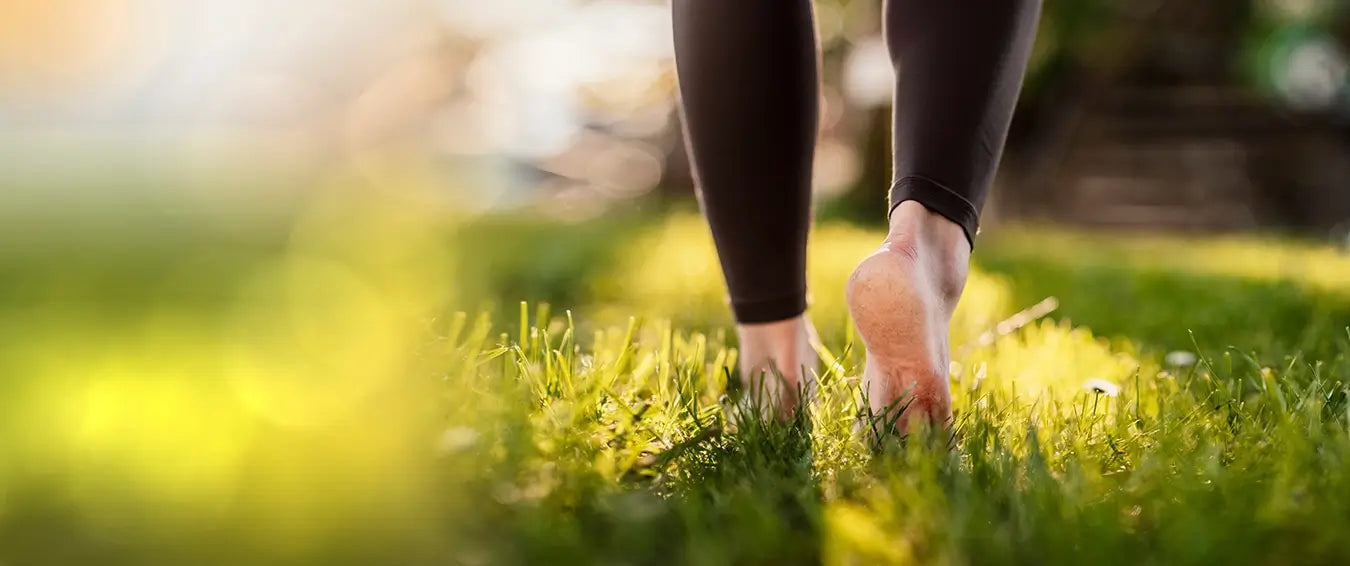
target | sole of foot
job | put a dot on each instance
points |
(901, 299)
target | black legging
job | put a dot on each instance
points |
(748, 85)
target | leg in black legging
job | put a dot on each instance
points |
(748, 84)
(959, 68)
(959, 65)
(747, 74)
(748, 87)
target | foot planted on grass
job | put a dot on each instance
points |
(778, 364)
(902, 298)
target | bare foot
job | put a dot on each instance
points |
(902, 298)
(778, 349)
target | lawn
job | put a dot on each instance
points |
(374, 385)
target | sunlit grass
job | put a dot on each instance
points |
(1251, 258)
(317, 398)
(1273, 296)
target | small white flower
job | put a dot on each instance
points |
(457, 439)
(1102, 386)
(1181, 359)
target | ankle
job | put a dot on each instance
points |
(932, 241)
(786, 344)
(773, 332)
(777, 361)
(912, 220)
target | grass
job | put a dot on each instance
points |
(322, 398)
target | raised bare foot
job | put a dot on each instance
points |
(775, 359)
(902, 298)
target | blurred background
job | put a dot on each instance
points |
(233, 234)
(1205, 115)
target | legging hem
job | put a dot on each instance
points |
(769, 310)
(938, 198)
